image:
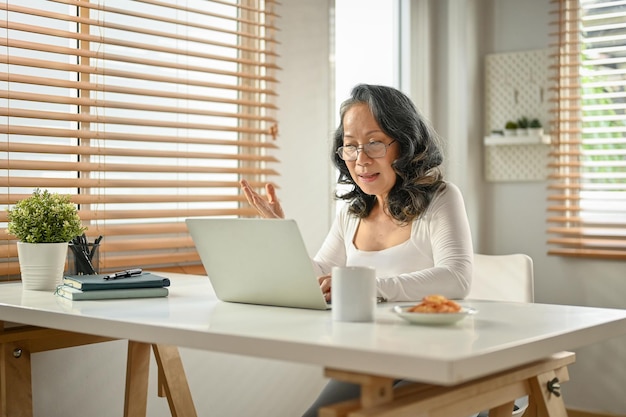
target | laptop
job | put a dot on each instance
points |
(257, 261)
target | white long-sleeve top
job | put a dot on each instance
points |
(436, 259)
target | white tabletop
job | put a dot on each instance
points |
(500, 336)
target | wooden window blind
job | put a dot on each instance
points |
(144, 112)
(587, 199)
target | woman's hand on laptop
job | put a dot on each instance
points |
(268, 208)
(325, 281)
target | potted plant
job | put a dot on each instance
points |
(510, 128)
(535, 128)
(43, 224)
(522, 126)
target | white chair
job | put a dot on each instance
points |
(504, 278)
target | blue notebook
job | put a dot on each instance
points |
(97, 282)
(72, 293)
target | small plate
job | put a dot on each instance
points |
(433, 318)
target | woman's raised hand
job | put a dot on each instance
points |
(268, 208)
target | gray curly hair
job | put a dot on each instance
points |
(418, 173)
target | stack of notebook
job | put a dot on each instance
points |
(104, 286)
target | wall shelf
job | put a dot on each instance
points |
(516, 85)
(496, 140)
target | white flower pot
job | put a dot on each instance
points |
(41, 264)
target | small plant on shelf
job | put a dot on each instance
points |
(535, 128)
(510, 128)
(523, 122)
(522, 126)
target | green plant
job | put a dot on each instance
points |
(510, 125)
(522, 123)
(44, 217)
(535, 124)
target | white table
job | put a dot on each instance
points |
(510, 345)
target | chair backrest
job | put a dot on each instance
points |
(503, 278)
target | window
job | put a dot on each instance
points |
(145, 112)
(362, 55)
(587, 203)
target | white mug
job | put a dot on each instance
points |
(353, 293)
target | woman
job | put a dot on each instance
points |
(401, 217)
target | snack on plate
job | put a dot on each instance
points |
(435, 304)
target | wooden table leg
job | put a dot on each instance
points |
(547, 403)
(531, 411)
(174, 381)
(375, 390)
(496, 393)
(161, 383)
(504, 410)
(15, 381)
(137, 372)
(17, 344)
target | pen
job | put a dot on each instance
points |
(124, 274)
(94, 247)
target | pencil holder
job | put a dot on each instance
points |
(83, 259)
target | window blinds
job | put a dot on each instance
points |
(145, 112)
(587, 199)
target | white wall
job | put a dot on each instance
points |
(505, 218)
(305, 102)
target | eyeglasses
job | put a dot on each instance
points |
(372, 149)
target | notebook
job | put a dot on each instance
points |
(72, 293)
(257, 261)
(97, 281)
